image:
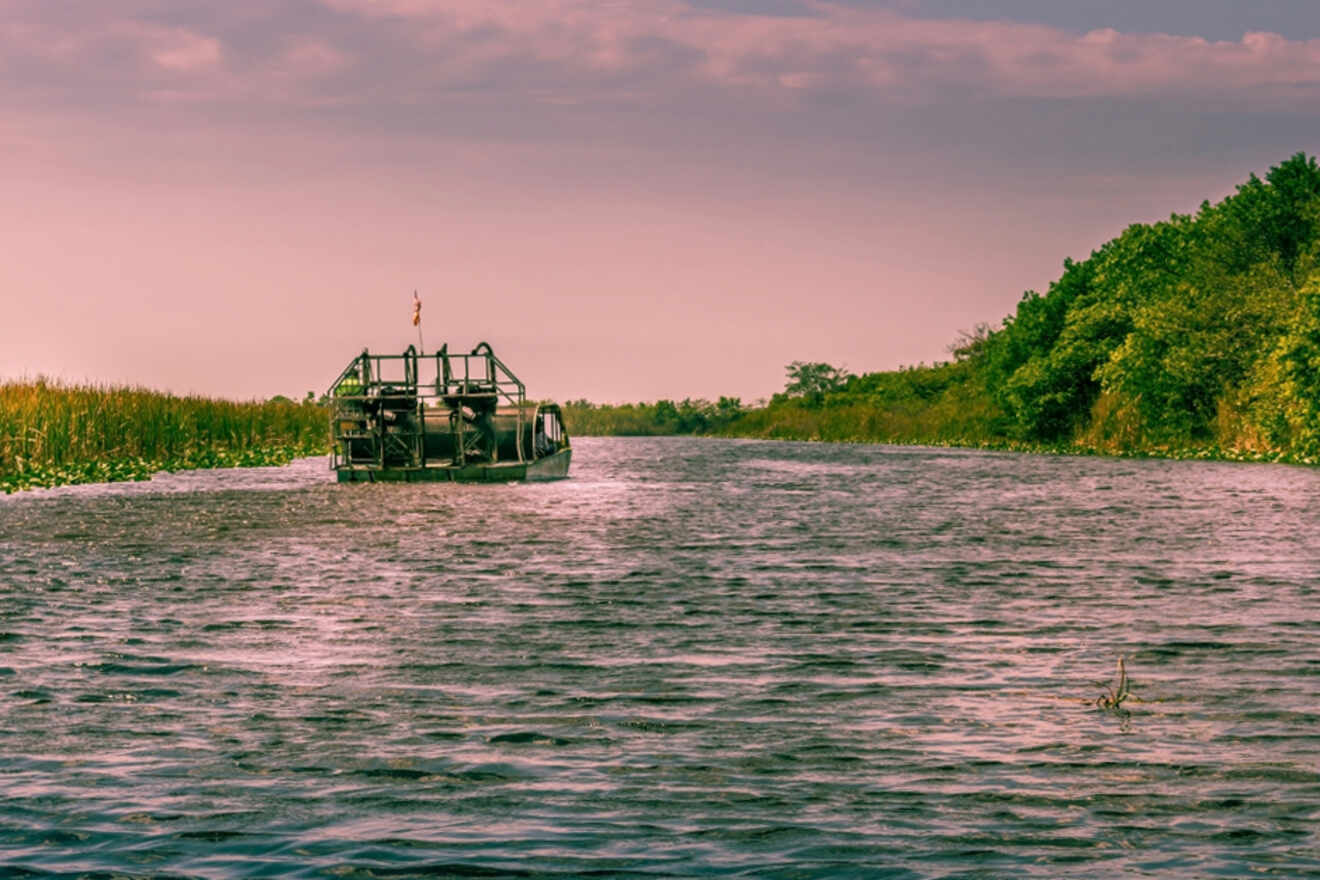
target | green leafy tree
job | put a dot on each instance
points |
(666, 414)
(727, 410)
(1299, 353)
(1192, 350)
(1274, 218)
(1027, 337)
(694, 416)
(812, 381)
(1052, 392)
(972, 345)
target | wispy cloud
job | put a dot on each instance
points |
(175, 49)
(300, 52)
(659, 44)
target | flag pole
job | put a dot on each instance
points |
(417, 322)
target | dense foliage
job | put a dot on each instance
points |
(52, 433)
(1199, 334)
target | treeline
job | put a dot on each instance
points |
(642, 419)
(52, 433)
(942, 404)
(1195, 335)
(1203, 330)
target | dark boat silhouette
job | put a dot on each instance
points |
(415, 417)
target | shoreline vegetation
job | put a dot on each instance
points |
(1194, 337)
(54, 434)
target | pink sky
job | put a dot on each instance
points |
(629, 200)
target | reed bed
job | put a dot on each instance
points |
(53, 433)
(624, 420)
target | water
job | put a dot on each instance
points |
(695, 657)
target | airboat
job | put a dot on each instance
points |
(415, 417)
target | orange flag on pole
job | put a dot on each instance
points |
(417, 310)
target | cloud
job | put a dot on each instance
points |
(870, 52)
(284, 54)
(175, 49)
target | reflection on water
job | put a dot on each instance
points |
(693, 657)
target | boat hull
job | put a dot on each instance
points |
(551, 467)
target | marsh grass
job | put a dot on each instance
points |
(53, 433)
(624, 420)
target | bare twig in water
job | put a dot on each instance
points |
(1116, 693)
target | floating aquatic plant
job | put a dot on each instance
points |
(1117, 693)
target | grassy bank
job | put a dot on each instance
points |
(863, 424)
(54, 434)
(961, 420)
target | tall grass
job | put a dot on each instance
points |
(629, 419)
(52, 433)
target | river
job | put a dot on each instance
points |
(695, 657)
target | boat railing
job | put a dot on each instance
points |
(381, 404)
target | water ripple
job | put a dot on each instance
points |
(695, 657)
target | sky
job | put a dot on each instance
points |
(628, 199)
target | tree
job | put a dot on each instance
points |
(1052, 392)
(1300, 351)
(972, 345)
(728, 409)
(666, 414)
(1274, 218)
(812, 381)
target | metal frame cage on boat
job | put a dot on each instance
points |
(415, 417)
